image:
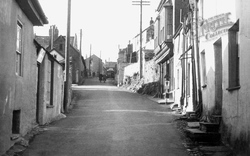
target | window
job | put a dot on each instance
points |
(19, 49)
(169, 23)
(178, 78)
(233, 57)
(162, 35)
(203, 69)
(50, 79)
(188, 79)
(77, 76)
(61, 47)
(170, 73)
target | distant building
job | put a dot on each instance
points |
(110, 69)
(46, 41)
(94, 65)
(77, 64)
(122, 62)
(130, 55)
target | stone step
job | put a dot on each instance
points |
(220, 150)
(190, 113)
(209, 127)
(193, 125)
(202, 136)
(217, 118)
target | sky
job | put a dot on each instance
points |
(106, 25)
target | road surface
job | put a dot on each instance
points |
(109, 121)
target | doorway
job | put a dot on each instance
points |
(218, 76)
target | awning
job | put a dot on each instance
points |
(164, 54)
(110, 69)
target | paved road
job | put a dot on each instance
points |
(108, 121)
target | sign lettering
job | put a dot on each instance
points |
(215, 26)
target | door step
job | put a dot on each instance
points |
(209, 127)
(202, 136)
(193, 125)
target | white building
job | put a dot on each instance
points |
(224, 51)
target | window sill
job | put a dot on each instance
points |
(233, 88)
(50, 106)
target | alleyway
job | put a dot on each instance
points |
(110, 121)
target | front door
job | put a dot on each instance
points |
(218, 76)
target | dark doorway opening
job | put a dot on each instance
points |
(16, 119)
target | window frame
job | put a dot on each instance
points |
(178, 79)
(188, 80)
(50, 83)
(204, 69)
(233, 58)
(19, 49)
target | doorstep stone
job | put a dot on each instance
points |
(193, 124)
(202, 136)
(209, 127)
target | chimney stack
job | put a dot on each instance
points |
(53, 33)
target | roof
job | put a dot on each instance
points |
(164, 3)
(33, 10)
(64, 38)
(92, 56)
(72, 38)
(56, 51)
(43, 40)
(40, 46)
(144, 30)
(110, 64)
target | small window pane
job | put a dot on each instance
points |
(18, 64)
(19, 49)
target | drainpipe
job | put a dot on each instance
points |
(182, 64)
(199, 108)
(162, 79)
(194, 90)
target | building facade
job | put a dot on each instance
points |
(50, 86)
(94, 65)
(110, 69)
(77, 64)
(210, 61)
(129, 58)
(166, 25)
(224, 44)
(18, 68)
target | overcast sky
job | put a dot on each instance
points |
(105, 23)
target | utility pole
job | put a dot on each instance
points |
(90, 61)
(81, 41)
(100, 63)
(67, 45)
(141, 3)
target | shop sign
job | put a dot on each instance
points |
(215, 26)
(41, 55)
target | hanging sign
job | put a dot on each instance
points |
(41, 55)
(215, 26)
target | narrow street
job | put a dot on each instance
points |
(110, 121)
